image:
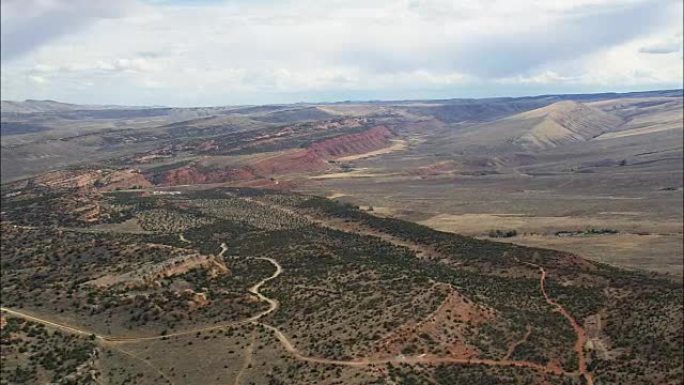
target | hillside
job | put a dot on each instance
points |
(500, 241)
(287, 288)
(562, 123)
(558, 124)
(31, 106)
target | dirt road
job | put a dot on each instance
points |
(579, 331)
(425, 251)
(247, 361)
(401, 359)
(358, 362)
(52, 324)
(273, 305)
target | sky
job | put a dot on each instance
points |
(192, 53)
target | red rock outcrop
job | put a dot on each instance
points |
(194, 175)
(353, 144)
(289, 162)
(312, 159)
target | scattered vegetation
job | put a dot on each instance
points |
(353, 285)
(31, 353)
(502, 233)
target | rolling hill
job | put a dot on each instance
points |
(510, 240)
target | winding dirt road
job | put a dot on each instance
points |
(416, 359)
(401, 359)
(425, 251)
(359, 362)
(273, 305)
(579, 331)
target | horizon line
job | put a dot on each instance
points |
(354, 101)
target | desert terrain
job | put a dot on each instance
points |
(599, 175)
(532, 240)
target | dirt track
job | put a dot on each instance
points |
(248, 360)
(433, 359)
(359, 362)
(579, 330)
(401, 359)
(52, 324)
(273, 305)
(517, 343)
(425, 251)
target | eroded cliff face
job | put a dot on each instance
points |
(280, 170)
(196, 175)
(353, 144)
(297, 161)
(314, 158)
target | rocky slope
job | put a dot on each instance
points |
(353, 144)
(314, 158)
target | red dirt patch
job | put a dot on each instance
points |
(442, 332)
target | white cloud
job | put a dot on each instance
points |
(37, 79)
(664, 45)
(29, 24)
(260, 52)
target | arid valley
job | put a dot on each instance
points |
(341, 192)
(460, 241)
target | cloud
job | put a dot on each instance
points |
(234, 52)
(29, 24)
(37, 79)
(557, 38)
(672, 44)
(659, 49)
